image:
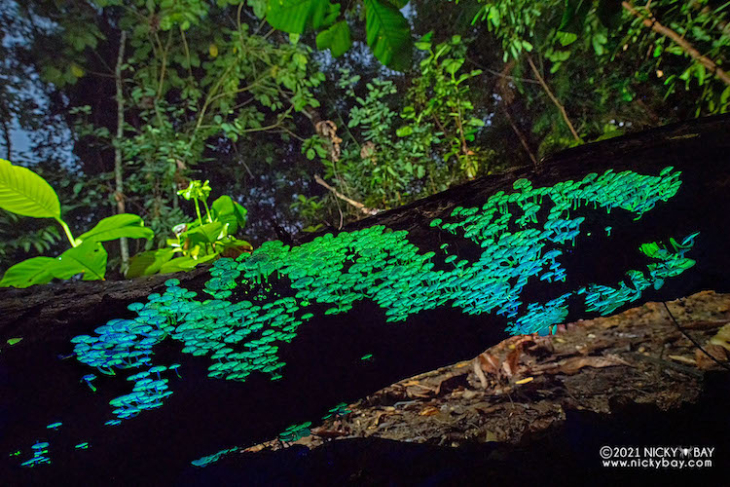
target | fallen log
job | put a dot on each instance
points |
(592, 230)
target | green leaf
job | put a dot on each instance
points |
(725, 95)
(88, 258)
(185, 263)
(388, 34)
(404, 131)
(399, 4)
(148, 263)
(296, 16)
(117, 226)
(226, 210)
(14, 341)
(197, 190)
(566, 38)
(259, 7)
(451, 66)
(24, 192)
(337, 39)
(204, 234)
(574, 15)
(29, 272)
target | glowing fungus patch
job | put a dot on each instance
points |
(242, 337)
(207, 460)
(40, 452)
(295, 432)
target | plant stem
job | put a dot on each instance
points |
(197, 210)
(207, 211)
(67, 231)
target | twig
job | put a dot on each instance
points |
(341, 196)
(520, 136)
(664, 363)
(652, 23)
(552, 97)
(694, 342)
(502, 75)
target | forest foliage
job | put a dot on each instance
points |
(314, 113)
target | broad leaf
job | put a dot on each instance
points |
(88, 259)
(399, 4)
(148, 263)
(296, 16)
(29, 272)
(337, 39)
(451, 66)
(259, 7)
(184, 263)
(204, 234)
(388, 34)
(228, 211)
(24, 192)
(117, 226)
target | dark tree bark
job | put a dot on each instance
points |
(39, 385)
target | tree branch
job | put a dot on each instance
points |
(356, 204)
(652, 23)
(6, 115)
(520, 136)
(553, 98)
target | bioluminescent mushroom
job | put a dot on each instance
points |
(295, 432)
(39, 455)
(335, 271)
(54, 426)
(175, 367)
(207, 460)
(88, 378)
(158, 368)
(338, 411)
(82, 446)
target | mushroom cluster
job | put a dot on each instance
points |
(295, 432)
(515, 252)
(243, 336)
(207, 460)
(40, 450)
(606, 300)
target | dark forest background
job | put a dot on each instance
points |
(120, 104)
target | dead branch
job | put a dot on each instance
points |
(651, 22)
(356, 204)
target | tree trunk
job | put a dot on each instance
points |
(118, 167)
